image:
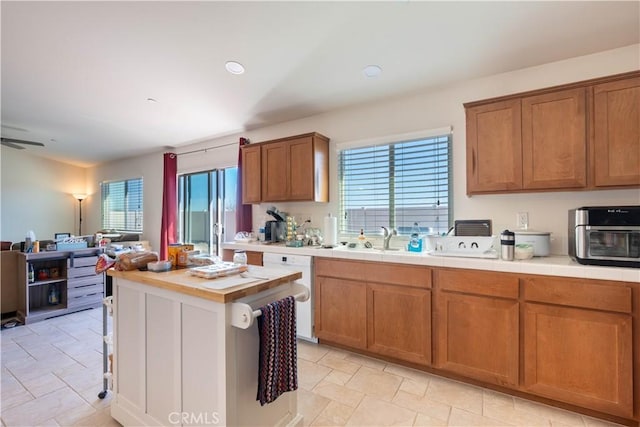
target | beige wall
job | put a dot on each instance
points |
(434, 108)
(148, 167)
(36, 195)
(441, 107)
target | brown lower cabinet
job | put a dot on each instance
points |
(341, 311)
(578, 343)
(563, 339)
(380, 308)
(476, 325)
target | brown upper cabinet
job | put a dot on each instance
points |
(583, 135)
(616, 140)
(288, 169)
(251, 174)
(494, 147)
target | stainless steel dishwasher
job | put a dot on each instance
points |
(304, 310)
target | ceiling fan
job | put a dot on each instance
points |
(15, 143)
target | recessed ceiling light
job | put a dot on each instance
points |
(152, 100)
(371, 71)
(234, 67)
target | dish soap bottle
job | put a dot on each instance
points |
(415, 242)
(361, 238)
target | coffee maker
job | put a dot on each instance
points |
(276, 230)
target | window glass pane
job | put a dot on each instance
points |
(197, 227)
(207, 204)
(396, 185)
(122, 208)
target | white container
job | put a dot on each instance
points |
(159, 266)
(523, 251)
(465, 246)
(540, 240)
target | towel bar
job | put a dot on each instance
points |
(243, 315)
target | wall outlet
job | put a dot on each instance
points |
(522, 220)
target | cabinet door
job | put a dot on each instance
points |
(579, 356)
(554, 140)
(477, 336)
(251, 174)
(275, 181)
(494, 149)
(341, 311)
(617, 133)
(399, 322)
(301, 169)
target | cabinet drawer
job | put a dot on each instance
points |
(84, 281)
(341, 269)
(85, 300)
(398, 274)
(81, 271)
(82, 261)
(89, 289)
(501, 285)
(578, 293)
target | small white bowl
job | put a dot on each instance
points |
(159, 266)
(523, 251)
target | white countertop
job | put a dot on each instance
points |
(555, 265)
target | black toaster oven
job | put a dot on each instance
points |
(605, 235)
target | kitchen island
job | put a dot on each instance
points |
(179, 359)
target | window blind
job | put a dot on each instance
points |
(122, 205)
(396, 185)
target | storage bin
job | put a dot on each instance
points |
(62, 246)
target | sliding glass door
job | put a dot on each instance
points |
(207, 202)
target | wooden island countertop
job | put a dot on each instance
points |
(184, 282)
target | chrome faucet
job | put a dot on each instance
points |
(387, 236)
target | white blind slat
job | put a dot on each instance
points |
(122, 208)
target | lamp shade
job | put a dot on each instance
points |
(80, 196)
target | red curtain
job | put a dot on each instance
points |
(244, 217)
(169, 203)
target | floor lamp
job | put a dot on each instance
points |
(80, 198)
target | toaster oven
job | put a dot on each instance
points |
(605, 235)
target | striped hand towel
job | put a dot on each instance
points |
(278, 366)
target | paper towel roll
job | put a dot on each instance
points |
(330, 230)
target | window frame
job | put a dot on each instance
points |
(220, 224)
(138, 213)
(435, 136)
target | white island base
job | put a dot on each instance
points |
(179, 361)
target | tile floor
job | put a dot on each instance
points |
(51, 375)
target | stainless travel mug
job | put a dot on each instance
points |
(507, 243)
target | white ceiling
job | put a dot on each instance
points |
(76, 75)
